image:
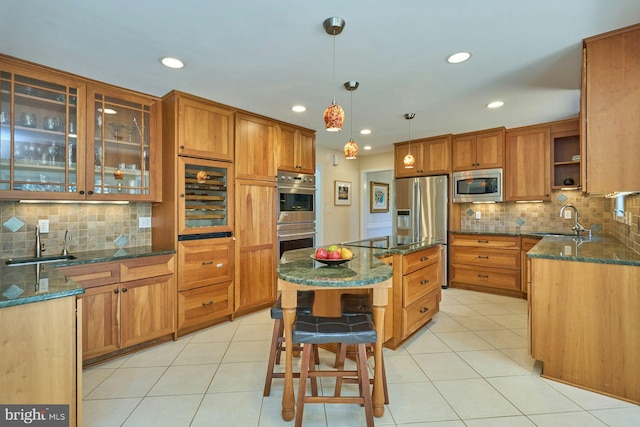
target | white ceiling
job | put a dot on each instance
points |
(265, 56)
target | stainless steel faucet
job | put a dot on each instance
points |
(577, 227)
(67, 236)
(39, 248)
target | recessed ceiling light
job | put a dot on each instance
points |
(459, 57)
(172, 62)
(367, 147)
(495, 104)
(365, 132)
(298, 108)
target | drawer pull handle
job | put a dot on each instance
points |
(207, 262)
(219, 265)
(424, 258)
(424, 309)
(483, 241)
(204, 304)
(483, 256)
(424, 282)
(483, 276)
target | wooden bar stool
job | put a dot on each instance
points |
(351, 305)
(356, 330)
(305, 306)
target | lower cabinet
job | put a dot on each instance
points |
(416, 293)
(525, 265)
(486, 263)
(125, 303)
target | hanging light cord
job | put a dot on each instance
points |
(334, 66)
(409, 135)
(351, 114)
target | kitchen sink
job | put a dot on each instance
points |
(27, 261)
(552, 234)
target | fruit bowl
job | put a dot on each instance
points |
(332, 262)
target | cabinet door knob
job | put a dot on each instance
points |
(181, 194)
(90, 192)
(81, 191)
(124, 289)
(116, 291)
(182, 147)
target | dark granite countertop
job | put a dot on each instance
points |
(515, 234)
(24, 284)
(389, 245)
(602, 250)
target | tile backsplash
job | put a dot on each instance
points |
(630, 234)
(595, 213)
(92, 227)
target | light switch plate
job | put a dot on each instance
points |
(478, 215)
(43, 225)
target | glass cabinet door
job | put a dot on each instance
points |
(206, 196)
(38, 137)
(122, 130)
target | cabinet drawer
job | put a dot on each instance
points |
(204, 304)
(204, 262)
(497, 258)
(420, 259)
(420, 312)
(420, 282)
(90, 275)
(146, 267)
(493, 278)
(485, 241)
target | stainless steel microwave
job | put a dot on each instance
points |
(481, 185)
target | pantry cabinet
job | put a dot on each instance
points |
(478, 150)
(432, 155)
(610, 111)
(296, 150)
(527, 173)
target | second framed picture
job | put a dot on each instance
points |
(342, 193)
(379, 197)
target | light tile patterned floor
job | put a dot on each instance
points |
(468, 367)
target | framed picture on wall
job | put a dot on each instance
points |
(342, 193)
(379, 197)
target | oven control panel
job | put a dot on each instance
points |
(291, 179)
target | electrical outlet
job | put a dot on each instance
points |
(567, 214)
(144, 222)
(43, 224)
(478, 214)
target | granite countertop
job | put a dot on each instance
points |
(365, 268)
(24, 284)
(602, 250)
(539, 234)
(389, 245)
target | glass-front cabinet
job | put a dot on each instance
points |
(121, 131)
(41, 123)
(205, 203)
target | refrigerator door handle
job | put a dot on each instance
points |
(417, 209)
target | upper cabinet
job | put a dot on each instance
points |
(204, 129)
(478, 150)
(66, 138)
(255, 148)
(610, 111)
(565, 154)
(296, 150)
(432, 157)
(527, 169)
(123, 147)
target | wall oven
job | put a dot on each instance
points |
(482, 185)
(296, 216)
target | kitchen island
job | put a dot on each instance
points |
(584, 322)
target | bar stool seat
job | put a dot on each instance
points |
(304, 306)
(357, 330)
(352, 305)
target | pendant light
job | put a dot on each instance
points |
(334, 114)
(351, 148)
(409, 160)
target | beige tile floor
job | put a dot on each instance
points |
(468, 367)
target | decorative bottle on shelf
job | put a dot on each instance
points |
(568, 181)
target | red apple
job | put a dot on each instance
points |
(335, 254)
(321, 253)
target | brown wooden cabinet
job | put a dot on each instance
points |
(416, 293)
(255, 148)
(255, 253)
(126, 303)
(478, 150)
(432, 157)
(201, 128)
(296, 150)
(610, 111)
(527, 173)
(565, 154)
(486, 263)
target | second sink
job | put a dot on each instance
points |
(27, 261)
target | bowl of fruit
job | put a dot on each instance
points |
(333, 255)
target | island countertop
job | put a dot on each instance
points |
(24, 284)
(601, 250)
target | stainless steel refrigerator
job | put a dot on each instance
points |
(421, 211)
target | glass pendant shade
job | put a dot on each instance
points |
(409, 161)
(333, 117)
(351, 150)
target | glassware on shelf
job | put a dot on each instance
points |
(116, 127)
